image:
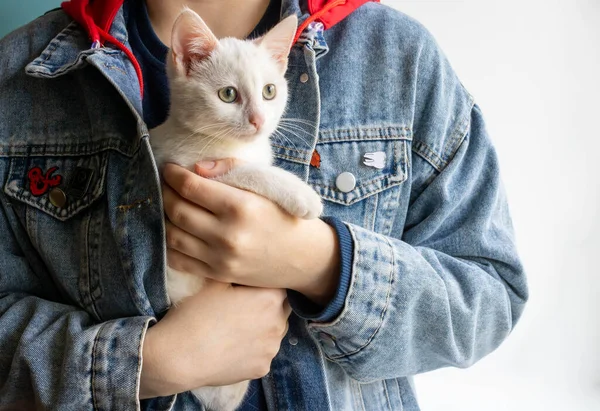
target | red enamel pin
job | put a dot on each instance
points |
(315, 160)
(40, 183)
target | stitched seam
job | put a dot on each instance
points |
(363, 184)
(345, 130)
(70, 211)
(363, 134)
(399, 394)
(294, 159)
(94, 356)
(360, 395)
(424, 151)
(407, 158)
(41, 150)
(114, 67)
(459, 133)
(386, 394)
(139, 363)
(55, 43)
(135, 205)
(357, 199)
(289, 148)
(324, 140)
(85, 281)
(371, 225)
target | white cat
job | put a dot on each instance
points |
(227, 98)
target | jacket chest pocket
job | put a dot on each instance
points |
(59, 187)
(57, 200)
(359, 174)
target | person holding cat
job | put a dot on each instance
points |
(412, 266)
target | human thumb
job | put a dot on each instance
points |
(215, 168)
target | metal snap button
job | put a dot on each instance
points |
(293, 341)
(57, 197)
(345, 182)
(303, 78)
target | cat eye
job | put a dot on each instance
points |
(269, 92)
(228, 94)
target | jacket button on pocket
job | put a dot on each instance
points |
(57, 197)
(293, 341)
(345, 182)
(303, 78)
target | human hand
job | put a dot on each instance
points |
(232, 235)
(222, 335)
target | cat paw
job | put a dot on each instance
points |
(307, 205)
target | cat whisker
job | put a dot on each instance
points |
(290, 128)
(300, 126)
(201, 129)
(288, 140)
(297, 125)
(295, 134)
(299, 120)
(209, 139)
(278, 133)
(215, 138)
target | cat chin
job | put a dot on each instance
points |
(251, 138)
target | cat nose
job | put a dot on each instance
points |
(257, 120)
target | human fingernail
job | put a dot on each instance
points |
(208, 165)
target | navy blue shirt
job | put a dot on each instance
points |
(151, 54)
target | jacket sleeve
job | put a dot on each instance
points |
(449, 291)
(53, 355)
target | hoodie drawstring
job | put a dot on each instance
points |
(80, 11)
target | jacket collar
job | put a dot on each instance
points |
(71, 47)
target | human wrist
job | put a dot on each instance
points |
(161, 375)
(319, 255)
(152, 382)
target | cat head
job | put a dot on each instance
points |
(231, 88)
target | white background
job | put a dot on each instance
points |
(534, 66)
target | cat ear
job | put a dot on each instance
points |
(191, 40)
(279, 40)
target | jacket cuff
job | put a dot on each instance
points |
(116, 353)
(307, 309)
(367, 301)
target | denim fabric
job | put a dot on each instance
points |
(436, 278)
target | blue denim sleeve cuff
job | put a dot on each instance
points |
(116, 372)
(307, 309)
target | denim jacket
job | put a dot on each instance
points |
(436, 279)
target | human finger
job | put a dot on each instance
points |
(188, 216)
(187, 264)
(212, 195)
(212, 169)
(186, 243)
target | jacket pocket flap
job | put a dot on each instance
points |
(346, 171)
